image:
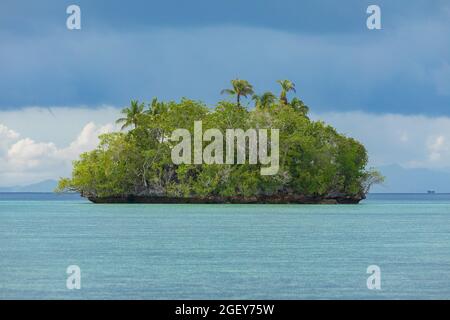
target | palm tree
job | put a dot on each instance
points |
(265, 100)
(257, 100)
(300, 106)
(154, 107)
(286, 86)
(241, 88)
(132, 114)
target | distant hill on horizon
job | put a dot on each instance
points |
(43, 186)
(403, 180)
(398, 180)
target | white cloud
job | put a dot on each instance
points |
(438, 148)
(86, 140)
(7, 133)
(27, 154)
(6, 136)
(56, 124)
(411, 141)
(26, 160)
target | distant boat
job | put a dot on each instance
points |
(431, 192)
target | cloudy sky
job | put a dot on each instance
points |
(390, 88)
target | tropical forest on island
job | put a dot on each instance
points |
(316, 163)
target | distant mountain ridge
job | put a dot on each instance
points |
(43, 186)
(398, 180)
(404, 180)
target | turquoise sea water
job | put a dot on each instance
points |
(224, 251)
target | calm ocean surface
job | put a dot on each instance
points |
(224, 251)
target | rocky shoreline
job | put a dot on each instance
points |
(341, 199)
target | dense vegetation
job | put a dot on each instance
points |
(315, 160)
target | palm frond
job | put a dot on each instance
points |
(227, 91)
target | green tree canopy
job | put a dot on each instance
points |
(286, 87)
(315, 160)
(133, 113)
(240, 88)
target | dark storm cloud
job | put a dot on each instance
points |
(140, 49)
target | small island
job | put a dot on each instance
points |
(317, 165)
